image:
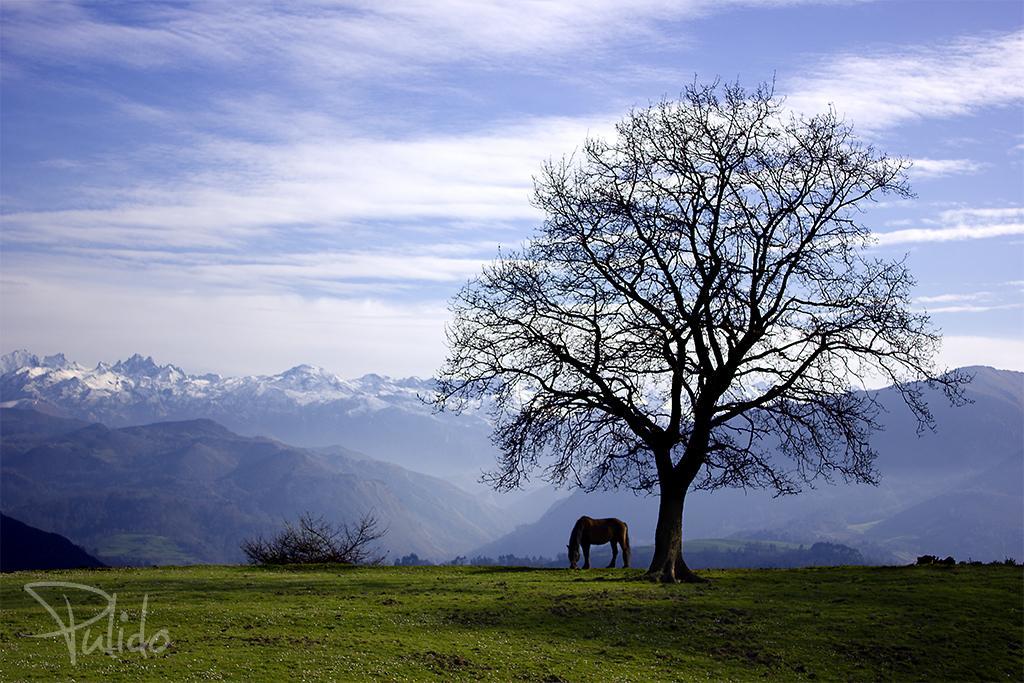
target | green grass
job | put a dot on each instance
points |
(727, 544)
(440, 623)
(143, 549)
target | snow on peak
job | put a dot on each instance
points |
(375, 382)
(15, 360)
(19, 359)
(304, 370)
(57, 361)
(168, 389)
(137, 365)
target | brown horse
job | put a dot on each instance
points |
(588, 532)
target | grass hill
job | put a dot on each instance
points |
(26, 547)
(458, 623)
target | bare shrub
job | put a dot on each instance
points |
(314, 540)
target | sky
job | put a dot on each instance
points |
(241, 187)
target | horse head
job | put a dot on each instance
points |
(574, 555)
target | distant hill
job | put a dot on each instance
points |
(956, 491)
(981, 518)
(190, 491)
(25, 547)
(26, 428)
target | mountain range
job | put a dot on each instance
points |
(957, 490)
(305, 405)
(191, 491)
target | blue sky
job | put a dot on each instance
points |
(242, 187)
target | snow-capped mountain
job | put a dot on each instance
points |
(138, 378)
(20, 359)
(305, 405)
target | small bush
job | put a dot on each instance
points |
(413, 560)
(313, 540)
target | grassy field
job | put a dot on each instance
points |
(440, 623)
(142, 549)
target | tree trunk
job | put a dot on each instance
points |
(668, 565)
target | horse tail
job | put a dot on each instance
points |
(625, 544)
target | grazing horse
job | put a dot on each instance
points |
(588, 532)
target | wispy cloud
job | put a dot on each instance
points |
(999, 296)
(961, 224)
(352, 273)
(975, 214)
(319, 184)
(296, 271)
(947, 298)
(938, 168)
(340, 38)
(886, 89)
(975, 308)
(950, 234)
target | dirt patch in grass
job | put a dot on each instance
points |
(442, 663)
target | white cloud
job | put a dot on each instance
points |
(1008, 213)
(947, 298)
(949, 234)
(319, 183)
(298, 270)
(344, 38)
(975, 308)
(960, 224)
(1000, 298)
(381, 272)
(882, 90)
(938, 168)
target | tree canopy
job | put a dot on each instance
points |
(700, 308)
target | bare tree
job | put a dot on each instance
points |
(313, 540)
(700, 309)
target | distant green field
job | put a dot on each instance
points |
(725, 544)
(440, 623)
(143, 549)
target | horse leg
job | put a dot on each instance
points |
(586, 556)
(615, 554)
